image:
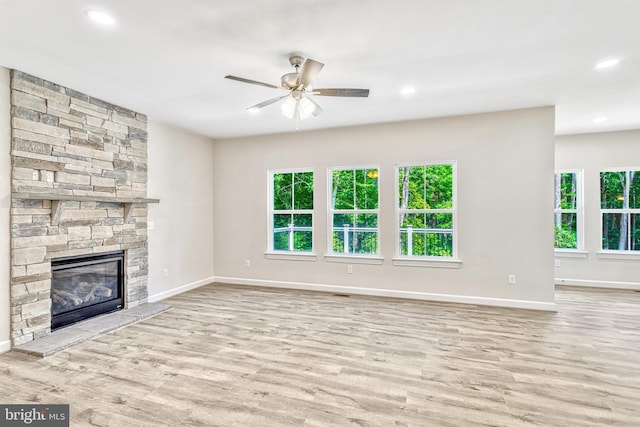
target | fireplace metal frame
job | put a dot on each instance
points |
(102, 307)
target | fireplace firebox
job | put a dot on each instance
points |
(86, 286)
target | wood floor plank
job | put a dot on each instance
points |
(245, 356)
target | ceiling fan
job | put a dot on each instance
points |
(298, 103)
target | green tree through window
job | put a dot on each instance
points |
(425, 210)
(354, 211)
(566, 212)
(292, 211)
(620, 208)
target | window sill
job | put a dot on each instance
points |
(428, 262)
(624, 255)
(291, 256)
(570, 253)
(354, 259)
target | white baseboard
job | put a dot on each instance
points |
(496, 302)
(5, 346)
(175, 291)
(598, 284)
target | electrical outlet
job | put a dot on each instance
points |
(247, 263)
(35, 176)
(165, 273)
(151, 225)
(350, 269)
(512, 279)
(557, 263)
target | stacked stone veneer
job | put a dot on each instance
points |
(67, 143)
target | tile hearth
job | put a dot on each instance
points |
(80, 332)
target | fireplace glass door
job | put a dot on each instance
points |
(84, 287)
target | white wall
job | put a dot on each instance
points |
(180, 175)
(593, 153)
(5, 203)
(505, 181)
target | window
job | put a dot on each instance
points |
(568, 210)
(353, 211)
(620, 208)
(426, 210)
(291, 211)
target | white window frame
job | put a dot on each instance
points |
(578, 252)
(421, 260)
(272, 253)
(613, 253)
(342, 256)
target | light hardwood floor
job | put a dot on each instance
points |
(243, 356)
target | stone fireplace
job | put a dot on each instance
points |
(79, 188)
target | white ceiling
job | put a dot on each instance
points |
(168, 59)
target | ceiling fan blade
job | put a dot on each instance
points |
(267, 102)
(357, 93)
(253, 82)
(310, 70)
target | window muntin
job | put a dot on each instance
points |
(426, 211)
(620, 210)
(291, 211)
(354, 210)
(568, 210)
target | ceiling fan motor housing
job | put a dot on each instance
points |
(290, 80)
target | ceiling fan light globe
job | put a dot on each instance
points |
(307, 107)
(288, 107)
(102, 18)
(302, 115)
(287, 113)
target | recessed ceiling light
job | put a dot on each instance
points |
(607, 64)
(101, 17)
(407, 90)
(598, 120)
